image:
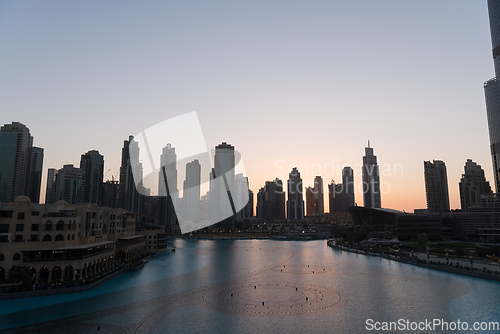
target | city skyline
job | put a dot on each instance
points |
(318, 73)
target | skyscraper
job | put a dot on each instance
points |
(92, 163)
(50, 190)
(295, 202)
(492, 91)
(224, 162)
(19, 175)
(191, 191)
(271, 201)
(128, 197)
(243, 192)
(347, 188)
(371, 180)
(472, 185)
(319, 195)
(166, 211)
(69, 184)
(335, 197)
(436, 186)
(35, 174)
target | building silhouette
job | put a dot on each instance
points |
(295, 202)
(92, 163)
(492, 91)
(473, 186)
(436, 186)
(335, 197)
(341, 196)
(241, 185)
(20, 163)
(371, 180)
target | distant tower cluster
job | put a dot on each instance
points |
(473, 186)
(371, 180)
(315, 202)
(436, 186)
(129, 198)
(20, 164)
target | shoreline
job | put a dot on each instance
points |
(442, 266)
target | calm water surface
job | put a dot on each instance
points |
(219, 286)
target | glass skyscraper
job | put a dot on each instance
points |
(492, 91)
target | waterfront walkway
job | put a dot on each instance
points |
(457, 266)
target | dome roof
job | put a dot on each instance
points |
(22, 199)
(61, 202)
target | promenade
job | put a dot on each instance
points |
(457, 266)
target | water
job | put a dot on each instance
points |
(190, 291)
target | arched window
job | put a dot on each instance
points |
(47, 237)
(60, 225)
(69, 236)
(16, 257)
(48, 226)
(73, 237)
(2, 258)
(59, 237)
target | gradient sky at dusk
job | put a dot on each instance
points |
(288, 83)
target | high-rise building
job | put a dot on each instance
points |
(473, 185)
(295, 202)
(371, 180)
(335, 197)
(35, 174)
(69, 184)
(20, 163)
(348, 188)
(242, 192)
(224, 162)
(92, 163)
(319, 195)
(436, 186)
(129, 197)
(166, 211)
(492, 91)
(311, 205)
(271, 201)
(110, 197)
(191, 191)
(50, 191)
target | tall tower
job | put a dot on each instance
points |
(472, 185)
(92, 163)
(371, 180)
(224, 162)
(492, 91)
(18, 176)
(347, 188)
(436, 186)
(319, 197)
(166, 211)
(128, 197)
(191, 191)
(295, 203)
(50, 191)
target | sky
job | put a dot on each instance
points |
(288, 83)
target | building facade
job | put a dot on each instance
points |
(166, 211)
(64, 242)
